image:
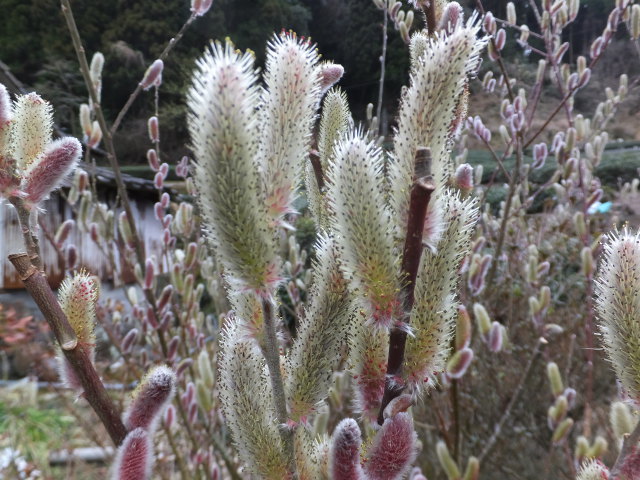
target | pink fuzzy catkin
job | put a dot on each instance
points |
(344, 456)
(134, 458)
(393, 450)
(150, 399)
(48, 171)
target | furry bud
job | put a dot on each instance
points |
(153, 75)
(135, 457)
(344, 456)
(447, 462)
(393, 449)
(47, 172)
(555, 379)
(459, 363)
(154, 129)
(150, 399)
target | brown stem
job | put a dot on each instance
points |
(629, 447)
(107, 135)
(317, 169)
(172, 43)
(30, 240)
(94, 391)
(420, 195)
(383, 60)
(429, 9)
(272, 356)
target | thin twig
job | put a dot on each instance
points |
(383, 59)
(497, 431)
(172, 43)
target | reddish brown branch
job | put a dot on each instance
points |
(420, 195)
(317, 169)
(94, 391)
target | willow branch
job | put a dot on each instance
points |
(95, 393)
(420, 196)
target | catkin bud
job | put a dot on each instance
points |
(586, 257)
(555, 379)
(150, 399)
(482, 318)
(129, 339)
(524, 34)
(154, 129)
(599, 447)
(85, 120)
(96, 135)
(473, 469)
(447, 462)
(344, 456)
(562, 431)
(200, 7)
(511, 13)
(153, 75)
(63, 232)
(501, 39)
(152, 158)
(635, 22)
(621, 419)
(463, 328)
(134, 458)
(459, 363)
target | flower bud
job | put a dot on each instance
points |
(63, 232)
(447, 462)
(459, 363)
(85, 120)
(152, 158)
(47, 172)
(71, 256)
(393, 449)
(330, 74)
(473, 469)
(586, 256)
(464, 177)
(153, 75)
(555, 379)
(129, 339)
(96, 135)
(135, 457)
(154, 129)
(511, 13)
(463, 328)
(495, 337)
(200, 7)
(150, 398)
(562, 431)
(501, 38)
(344, 455)
(482, 318)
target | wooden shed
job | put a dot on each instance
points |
(56, 210)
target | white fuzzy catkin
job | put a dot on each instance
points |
(288, 108)
(593, 470)
(247, 404)
(31, 129)
(335, 121)
(440, 69)
(316, 350)
(435, 306)
(363, 227)
(617, 288)
(223, 124)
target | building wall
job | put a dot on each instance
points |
(90, 257)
